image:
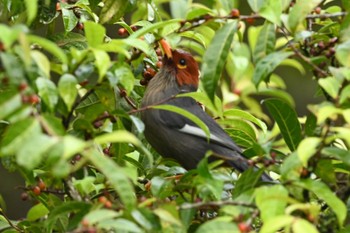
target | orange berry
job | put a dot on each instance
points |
(235, 13)
(36, 190)
(34, 99)
(80, 26)
(41, 185)
(108, 204)
(22, 86)
(102, 199)
(318, 10)
(58, 6)
(243, 227)
(159, 64)
(122, 32)
(250, 20)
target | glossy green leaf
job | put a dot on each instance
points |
(102, 62)
(37, 211)
(246, 116)
(112, 10)
(271, 201)
(48, 92)
(50, 47)
(153, 27)
(266, 66)
(124, 76)
(120, 136)
(217, 226)
(330, 85)
(42, 62)
(68, 90)
(341, 154)
(32, 10)
(272, 11)
(275, 224)
(266, 41)
(215, 57)
(186, 114)
(95, 33)
(310, 125)
(255, 5)
(70, 20)
(98, 215)
(323, 192)
(307, 148)
(343, 53)
(302, 225)
(119, 181)
(119, 225)
(287, 121)
(300, 11)
(9, 103)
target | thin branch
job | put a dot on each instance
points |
(9, 221)
(302, 57)
(215, 204)
(127, 98)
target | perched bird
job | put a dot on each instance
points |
(175, 136)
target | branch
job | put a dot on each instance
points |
(9, 221)
(215, 204)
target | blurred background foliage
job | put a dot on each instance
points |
(274, 73)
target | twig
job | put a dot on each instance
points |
(9, 221)
(127, 98)
(301, 56)
(215, 204)
(76, 104)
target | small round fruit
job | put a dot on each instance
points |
(122, 32)
(36, 190)
(102, 199)
(41, 185)
(235, 13)
(318, 10)
(250, 20)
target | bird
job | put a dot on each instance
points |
(173, 135)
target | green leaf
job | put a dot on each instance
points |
(112, 10)
(37, 211)
(153, 27)
(42, 62)
(215, 57)
(102, 62)
(50, 47)
(330, 85)
(307, 148)
(119, 181)
(69, 19)
(95, 33)
(119, 225)
(68, 90)
(47, 92)
(96, 216)
(287, 120)
(267, 65)
(272, 11)
(124, 76)
(275, 224)
(266, 41)
(217, 225)
(342, 155)
(255, 4)
(271, 201)
(9, 103)
(343, 53)
(32, 9)
(186, 114)
(120, 136)
(240, 131)
(246, 116)
(323, 192)
(310, 125)
(299, 11)
(302, 225)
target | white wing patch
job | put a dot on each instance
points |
(193, 130)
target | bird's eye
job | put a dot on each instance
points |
(182, 64)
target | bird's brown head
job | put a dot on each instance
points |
(183, 63)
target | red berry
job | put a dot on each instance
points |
(102, 199)
(134, 27)
(237, 92)
(80, 26)
(250, 20)
(106, 151)
(42, 185)
(147, 75)
(97, 124)
(34, 99)
(151, 71)
(122, 32)
(273, 155)
(24, 196)
(243, 227)
(2, 47)
(159, 52)
(318, 10)
(36, 190)
(58, 6)
(143, 82)
(22, 86)
(159, 64)
(235, 13)
(108, 204)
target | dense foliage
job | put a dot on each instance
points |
(72, 74)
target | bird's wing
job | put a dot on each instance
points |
(185, 125)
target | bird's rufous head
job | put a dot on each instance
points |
(185, 66)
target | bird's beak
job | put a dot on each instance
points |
(166, 48)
